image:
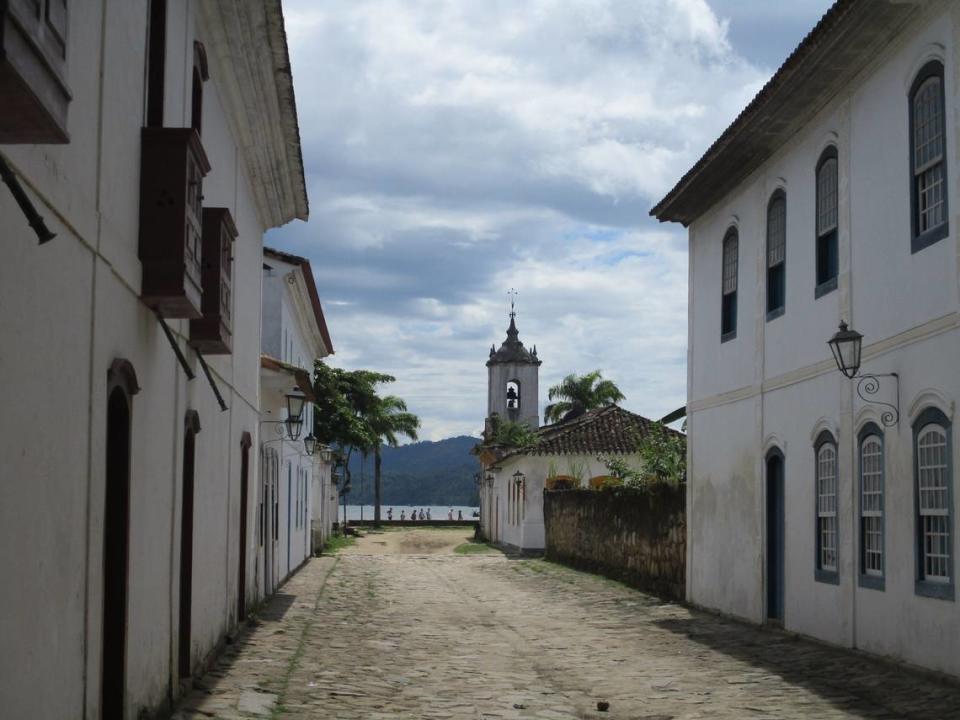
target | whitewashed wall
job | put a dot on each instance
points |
(69, 309)
(775, 383)
(528, 534)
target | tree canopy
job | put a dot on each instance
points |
(576, 394)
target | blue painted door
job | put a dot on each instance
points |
(775, 537)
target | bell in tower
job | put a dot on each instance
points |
(512, 378)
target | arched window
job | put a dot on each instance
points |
(728, 309)
(122, 385)
(827, 221)
(933, 468)
(928, 157)
(513, 395)
(200, 76)
(156, 62)
(826, 489)
(871, 508)
(776, 254)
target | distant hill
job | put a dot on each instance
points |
(423, 473)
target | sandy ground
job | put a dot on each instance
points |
(416, 541)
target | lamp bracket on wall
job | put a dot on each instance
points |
(868, 385)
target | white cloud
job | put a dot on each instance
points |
(456, 149)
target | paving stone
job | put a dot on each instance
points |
(451, 638)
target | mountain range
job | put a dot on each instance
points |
(422, 473)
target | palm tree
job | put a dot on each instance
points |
(576, 394)
(387, 419)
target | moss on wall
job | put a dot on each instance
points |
(636, 536)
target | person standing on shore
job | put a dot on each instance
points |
(390, 514)
(403, 515)
(450, 514)
(459, 514)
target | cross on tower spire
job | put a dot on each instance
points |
(513, 294)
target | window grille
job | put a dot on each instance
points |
(933, 503)
(728, 311)
(928, 147)
(871, 505)
(827, 507)
(776, 253)
(827, 220)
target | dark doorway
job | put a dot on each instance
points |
(242, 570)
(775, 537)
(186, 544)
(116, 528)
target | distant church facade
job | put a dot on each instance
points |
(567, 454)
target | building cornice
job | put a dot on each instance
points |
(247, 47)
(302, 307)
(846, 40)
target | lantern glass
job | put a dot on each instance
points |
(294, 428)
(326, 454)
(310, 444)
(519, 477)
(846, 346)
(295, 406)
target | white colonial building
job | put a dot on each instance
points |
(157, 140)
(294, 501)
(568, 454)
(828, 200)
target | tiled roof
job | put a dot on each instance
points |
(300, 375)
(609, 429)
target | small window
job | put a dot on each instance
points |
(871, 509)
(513, 395)
(156, 61)
(827, 222)
(934, 519)
(776, 254)
(928, 157)
(728, 310)
(827, 529)
(200, 76)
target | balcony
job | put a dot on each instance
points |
(172, 169)
(212, 334)
(33, 70)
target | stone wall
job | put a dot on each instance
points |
(638, 537)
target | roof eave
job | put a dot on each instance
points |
(845, 41)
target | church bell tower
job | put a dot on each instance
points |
(513, 378)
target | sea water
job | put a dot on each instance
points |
(437, 512)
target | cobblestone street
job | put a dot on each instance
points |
(484, 636)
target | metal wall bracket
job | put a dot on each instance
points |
(213, 385)
(869, 384)
(33, 217)
(176, 347)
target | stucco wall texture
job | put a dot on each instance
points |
(639, 538)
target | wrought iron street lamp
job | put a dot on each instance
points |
(295, 402)
(519, 477)
(326, 453)
(310, 444)
(846, 346)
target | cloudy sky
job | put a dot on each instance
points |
(457, 148)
